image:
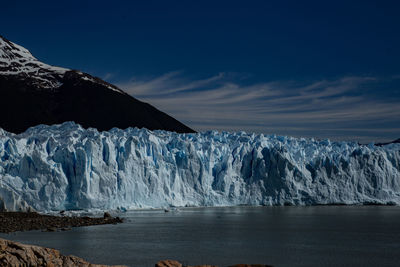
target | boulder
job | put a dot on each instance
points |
(17, 254)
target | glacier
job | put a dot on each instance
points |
(67, 167)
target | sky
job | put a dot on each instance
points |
(322, 69)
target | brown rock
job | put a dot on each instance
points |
(17, 254)
(168, 263)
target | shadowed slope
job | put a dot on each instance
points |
(35, 93)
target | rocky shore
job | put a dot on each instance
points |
(17, 254)
(25, 221)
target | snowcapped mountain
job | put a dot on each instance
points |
(35, 93)
(18, 61)
(67, 167)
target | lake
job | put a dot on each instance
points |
(279, 236)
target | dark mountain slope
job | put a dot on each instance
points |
(32, 93)
(397, 141)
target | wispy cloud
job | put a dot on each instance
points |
(337, 109)
(108, 76)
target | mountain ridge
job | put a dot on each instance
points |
(37, 93)
(397, 141)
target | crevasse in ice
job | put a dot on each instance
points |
(67, 167)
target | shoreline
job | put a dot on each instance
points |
(11, 221)
(18, 254)
(177, 208)
(140, 224)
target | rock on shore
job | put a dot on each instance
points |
(17, 254)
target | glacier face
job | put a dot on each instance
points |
(65, 166)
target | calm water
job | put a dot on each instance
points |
(281, 236)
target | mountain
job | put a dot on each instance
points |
(33, 93)
(397, 141)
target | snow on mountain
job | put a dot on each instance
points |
(33, 93)
(67, 167)
(16, 60)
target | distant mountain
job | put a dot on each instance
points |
(33, 93)
(397, 141)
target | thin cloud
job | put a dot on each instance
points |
(166, 84)
(108, 76)
(337, 109)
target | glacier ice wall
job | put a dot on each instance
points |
(67, 167)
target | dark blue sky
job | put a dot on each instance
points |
(330, 62)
